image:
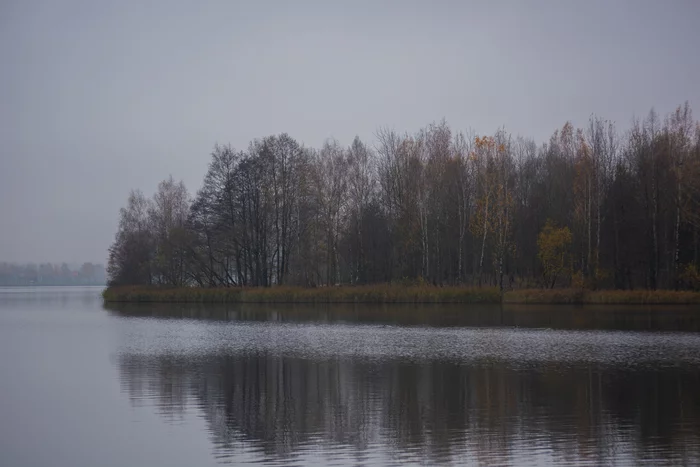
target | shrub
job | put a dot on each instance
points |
(690, 277)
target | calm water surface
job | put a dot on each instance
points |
(86, 385)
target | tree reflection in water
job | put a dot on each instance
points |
(431, 410)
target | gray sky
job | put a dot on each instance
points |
(100, 97)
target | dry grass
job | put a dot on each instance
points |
(384, 293)
(346, 294)
(602, 297)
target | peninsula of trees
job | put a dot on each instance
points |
(592, 208)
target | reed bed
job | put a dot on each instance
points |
(284, 294)
(384, 293)
(602, 297)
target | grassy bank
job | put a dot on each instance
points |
(348, 294)
(396, 294)
(602, 297)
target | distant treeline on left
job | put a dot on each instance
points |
(12, 274)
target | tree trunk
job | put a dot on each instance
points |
(483, 239)
(588, 220)
(676, 250)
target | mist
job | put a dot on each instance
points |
(98, 99)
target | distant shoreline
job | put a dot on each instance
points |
(53, 285)
(396, 294)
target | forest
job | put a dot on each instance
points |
(591, 208)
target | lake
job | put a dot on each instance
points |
(84, 384)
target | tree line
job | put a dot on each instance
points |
(13, 274)
(592, 207)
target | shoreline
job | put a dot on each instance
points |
(385, 294)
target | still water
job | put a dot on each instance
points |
(82, 384)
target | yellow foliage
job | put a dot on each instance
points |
(481, 218)
(690, 277)
(578, 281)
(553, 245)
(601, 277)
(484, 141)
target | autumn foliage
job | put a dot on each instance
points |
(554, 245)
(592, 208)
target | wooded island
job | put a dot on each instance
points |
(435, 213)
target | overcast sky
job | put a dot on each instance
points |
(100, 97)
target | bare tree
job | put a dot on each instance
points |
(130, 254)
(331, 194)
(168, 215)
(361, 189)
(423, 205)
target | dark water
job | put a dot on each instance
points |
(84, 385)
